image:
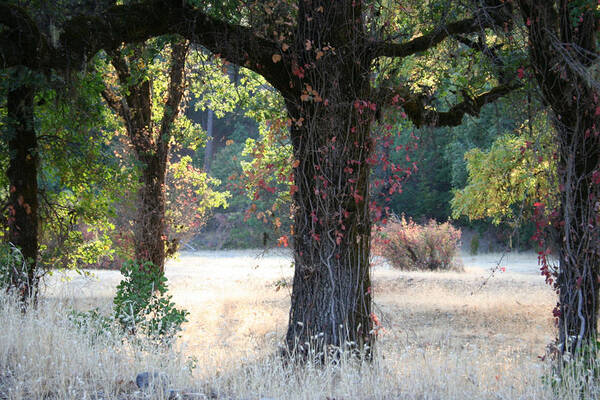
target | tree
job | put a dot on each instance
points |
(28, 54)
(323, 69)
(322, 64)
(505, 181)
(563, 53)
(150, 140)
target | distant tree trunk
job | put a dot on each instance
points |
(562, 49)
(151, 144)
(209, 150)
(150, 223)
(22, 176)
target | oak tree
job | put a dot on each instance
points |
(321, 56)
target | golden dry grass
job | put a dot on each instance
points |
(446, 336)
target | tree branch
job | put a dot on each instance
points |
(490, 53)
(421, 114)
(119, 63)
(426, 41)
(495, 14)
(114, 102)
(174, 95)
(470, 106)
(82, 37)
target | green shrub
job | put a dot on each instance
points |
(141, 304)
(14, 271)
(142, 308)
(410, 246)
(95, 324)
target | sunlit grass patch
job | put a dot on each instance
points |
(445, 337)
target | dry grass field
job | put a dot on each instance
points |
(447, 336)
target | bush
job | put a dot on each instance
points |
(142, 305)
(94, 325)
(142, 309)
(410, 246)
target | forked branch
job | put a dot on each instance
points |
(421, 113)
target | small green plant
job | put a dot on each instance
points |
(142, 306)
(572, 375)
(15, 273)
(475, 244)
(94, 323)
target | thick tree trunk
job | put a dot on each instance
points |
(579, 255)
(22, 176)
(331, 119)
(150, 224)
(561, 53)
(331, 297)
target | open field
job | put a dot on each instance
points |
(447, 335)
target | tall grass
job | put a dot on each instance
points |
(444, 338)
(43, 355)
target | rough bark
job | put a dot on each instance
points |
(560, 54)
(149, 227)
(22, 177)
(331, 297)
(578, 278)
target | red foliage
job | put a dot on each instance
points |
(410, 246)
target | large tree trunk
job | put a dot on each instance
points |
(579, 254)
(22, 176)
(561, 53)
(331, 297)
